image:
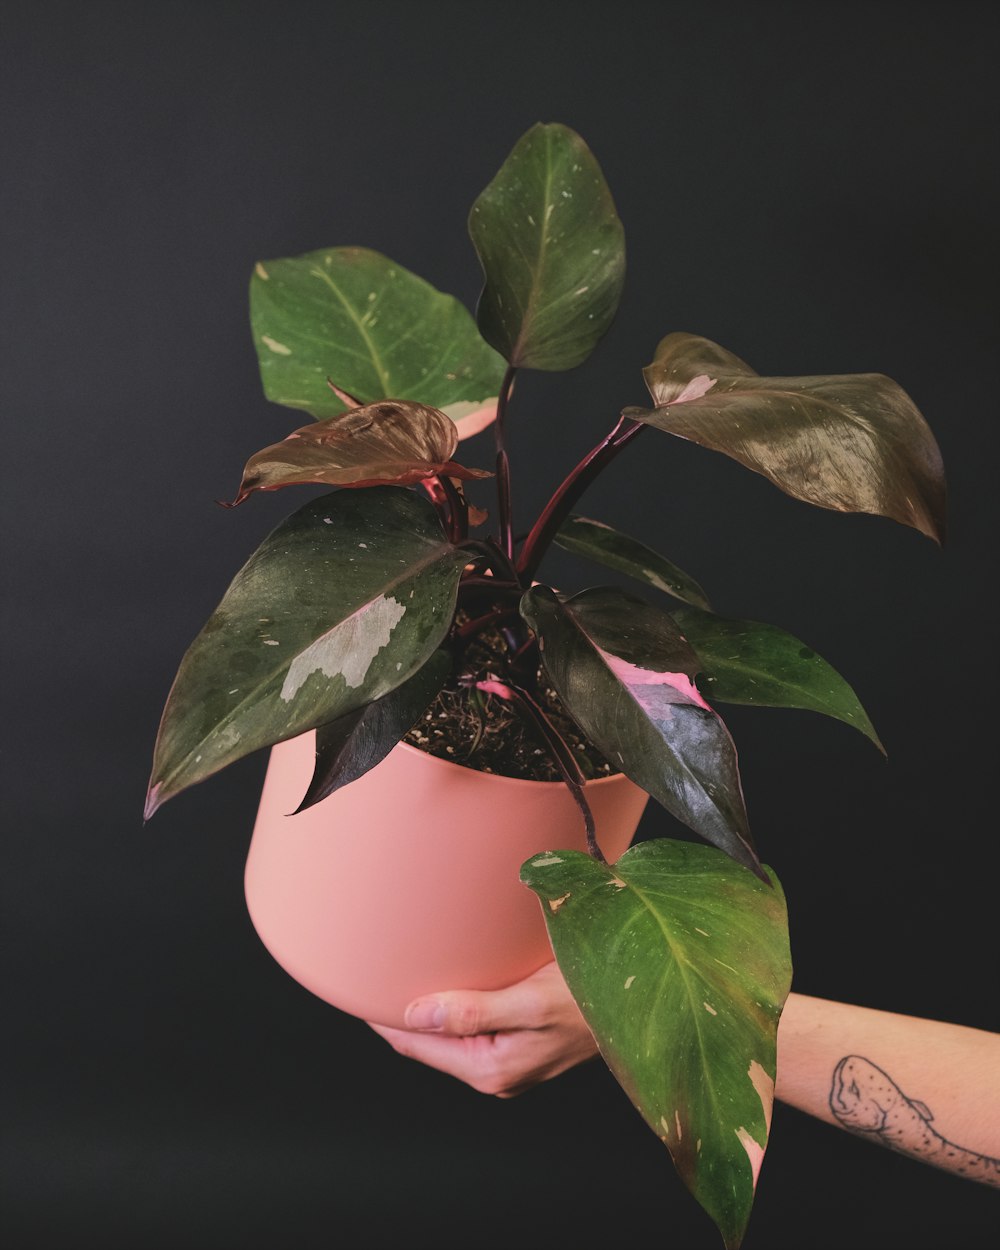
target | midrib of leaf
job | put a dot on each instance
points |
(412, 571)
(682, 965)
(529, 311)
(376, 359)
(740, 392)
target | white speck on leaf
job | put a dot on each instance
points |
(348, 649)
(363, 545)
(701, 931)
(271, 642)
(545, 861)
(677, 1121)
(628, 982)
(556, 903)
(710, 1009)
(260, 271)
(278, 348)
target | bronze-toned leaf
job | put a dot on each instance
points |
(850, 442)
(395, 442)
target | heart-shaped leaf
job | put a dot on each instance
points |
(552, 250)
(749, 662)
(352, 745)
(338, 606)
(850, 442)
(377, 330)
(679, 961)
(393, 441)
(601, 543)
(624, 673)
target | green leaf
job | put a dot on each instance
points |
(372, 327)
(352, 745)
(599, 542)
(392, 442)
(624, 673)
(850, 442)
(749, 662)
(338, 606)
(552, 250)
(679, 961)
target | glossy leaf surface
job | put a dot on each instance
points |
(850, 442)
(601, 543)
(552, 250)
(625, 674)
(388, 442)
(352, 745)
(338, 606)
(679, 961)
(374, 328)
(750, 662)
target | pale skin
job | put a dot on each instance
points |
(921, 1087)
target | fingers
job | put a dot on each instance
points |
(500, 1042)
(534, 1003)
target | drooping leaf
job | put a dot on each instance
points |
(338, 606)
(850, 442)
(395, 442)
(750, 662)
(353, 744)
(679, 961)
(374, 328)
(552, 250)
(625, 674)
(599, 542)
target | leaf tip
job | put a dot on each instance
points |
(153, 802)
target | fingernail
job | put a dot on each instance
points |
(426, 1015)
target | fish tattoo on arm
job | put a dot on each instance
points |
(867, 1101)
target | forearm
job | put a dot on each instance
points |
(881, 1075)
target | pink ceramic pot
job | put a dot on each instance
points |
(406, 881)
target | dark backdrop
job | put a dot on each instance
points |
(813, 186)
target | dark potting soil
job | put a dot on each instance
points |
(486, 733)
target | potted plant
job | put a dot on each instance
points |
(389, 611)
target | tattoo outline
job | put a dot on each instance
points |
(867, 1101)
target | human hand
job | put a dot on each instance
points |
(500, 1042)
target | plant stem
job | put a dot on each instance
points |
(559, 750)
(459, 508)
(559, 506)
(497, 559)
(504, 510)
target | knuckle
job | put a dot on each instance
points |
(465, 1017)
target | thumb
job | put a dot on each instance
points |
(463, 1013)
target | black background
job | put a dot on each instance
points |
(814, 187)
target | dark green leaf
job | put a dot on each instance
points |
(624, 672)
(850, 442)
(749, 662)
(394, 442)
(338, 606)
(679, 961)
(377, 330)
(599, 542)
(552, 250)
(350, 746)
